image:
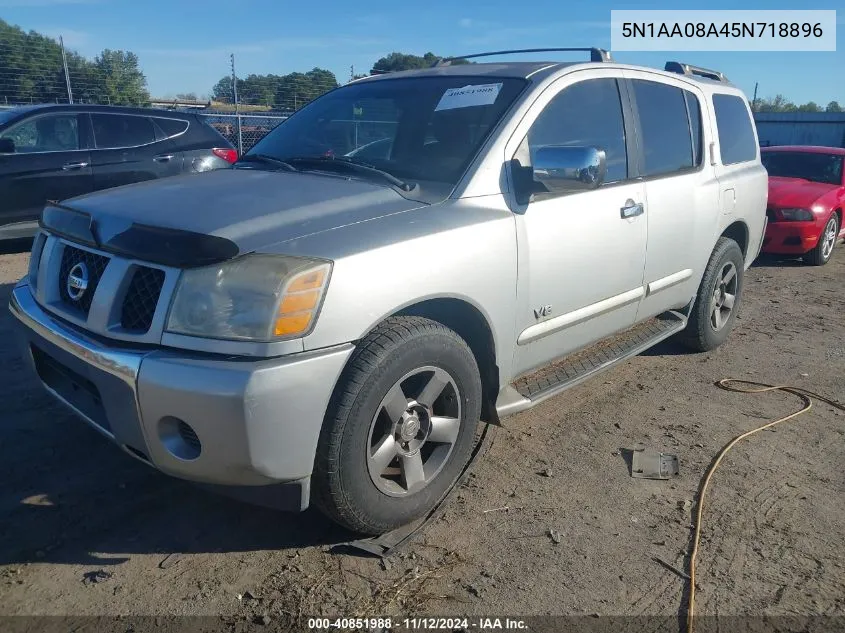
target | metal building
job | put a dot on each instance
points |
(801, 128)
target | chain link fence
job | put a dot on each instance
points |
(243, 130)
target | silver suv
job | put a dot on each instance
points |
(328, 320)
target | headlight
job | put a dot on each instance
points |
(796, 215)
(255, 298)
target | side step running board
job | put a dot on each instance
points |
(548, 381)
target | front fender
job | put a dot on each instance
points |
(423, 256)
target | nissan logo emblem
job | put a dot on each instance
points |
(77, 281)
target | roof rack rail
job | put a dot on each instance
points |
(690, 70)
(596, 54)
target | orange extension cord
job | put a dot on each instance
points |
(758, 387)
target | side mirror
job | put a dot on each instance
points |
(7, 146)
(566, 169)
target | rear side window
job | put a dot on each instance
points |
(665, 124)
(586, 113)
(114, 131)
(171, 127)
(737, 143)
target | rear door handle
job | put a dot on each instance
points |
(71, 166)
(631, 209)
(163, 158)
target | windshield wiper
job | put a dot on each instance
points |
(267, 160)
(353, 165)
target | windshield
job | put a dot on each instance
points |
(825, 168)
(414, 129)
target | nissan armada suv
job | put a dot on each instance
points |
(412, 254)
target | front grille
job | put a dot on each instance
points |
(94, 265)
(139, 304)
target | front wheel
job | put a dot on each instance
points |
(400, 427)
(717, 302)
(820, 255)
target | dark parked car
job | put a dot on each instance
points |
(55, 152)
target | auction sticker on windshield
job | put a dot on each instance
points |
(468, 96)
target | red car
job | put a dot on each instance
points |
(806, 200)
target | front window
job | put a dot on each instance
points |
(825, 168)
(418, 130)
(50, 133)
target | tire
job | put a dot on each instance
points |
(821, 254)
(702, 333)
(413, 352)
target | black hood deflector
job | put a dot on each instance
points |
(166, 246)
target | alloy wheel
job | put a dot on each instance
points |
(413, 432)
(724, 296)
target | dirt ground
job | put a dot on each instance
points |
(86, 530)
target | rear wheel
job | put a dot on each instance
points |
(400, 428)
(717, 302)
(821, 254)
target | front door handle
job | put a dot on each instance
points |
(631, 209)
(71, 166)
(163, 158)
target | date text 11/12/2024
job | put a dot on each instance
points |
(417, 624)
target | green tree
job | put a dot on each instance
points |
(31, 70)
(122, 79)
(811, 106)
(286, 92)
(405, 61)
(833, 106)
(777, 104)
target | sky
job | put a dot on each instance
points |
(184, 46)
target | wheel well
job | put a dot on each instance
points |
(738, 232)
(838, 213)
(468, 322)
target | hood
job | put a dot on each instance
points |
(786, 193)
(250, 208)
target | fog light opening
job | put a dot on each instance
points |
(179, 438)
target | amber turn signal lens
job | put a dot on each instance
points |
(299, 302)
(311, 280)
(292, 324)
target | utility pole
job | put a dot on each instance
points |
(754, 100)
(237, 106)
(67, 75)
(352, 72)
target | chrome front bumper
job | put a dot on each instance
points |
(255, 422)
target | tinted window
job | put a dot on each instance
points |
(694, 110)
(51, 133)
(811, 166)
(430, 128)
(736, 134)
(587, 113)
(116, 130)
(171, 127)
(666, 140)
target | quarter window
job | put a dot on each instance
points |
(171, 127)
(737, 140)
(51, 133)
(114, 131)
(588, 113)
(665, 124)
